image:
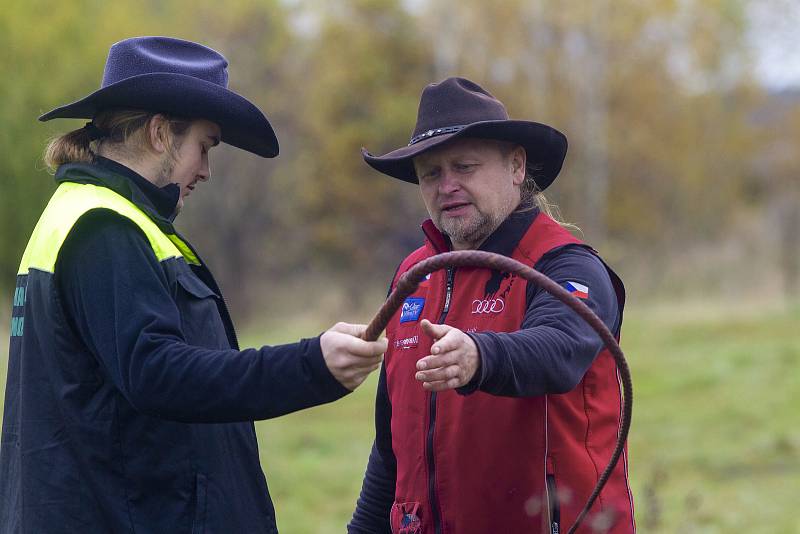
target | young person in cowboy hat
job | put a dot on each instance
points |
(129, 404)
(497, 406)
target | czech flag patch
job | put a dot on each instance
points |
(577, 290)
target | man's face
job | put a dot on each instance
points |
(470, 186)
(188, 163)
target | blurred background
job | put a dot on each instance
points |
(683, 118)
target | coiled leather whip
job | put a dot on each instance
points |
(409, 282)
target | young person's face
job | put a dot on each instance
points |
(188, 163)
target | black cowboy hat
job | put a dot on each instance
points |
(179, 77)
(457, 107)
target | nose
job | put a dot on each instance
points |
(205, 170)
(448, 182)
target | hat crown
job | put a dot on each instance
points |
(456, 102)
(149, 55)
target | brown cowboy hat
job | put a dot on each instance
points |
(457, 107)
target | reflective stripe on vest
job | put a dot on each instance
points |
(69, 203)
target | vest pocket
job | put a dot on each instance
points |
(201, 322)
(194, 286)
(553, 508)
(199, 523)
(406, 518)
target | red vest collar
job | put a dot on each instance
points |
(502, 241)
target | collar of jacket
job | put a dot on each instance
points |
(158, 203)
(502, 241)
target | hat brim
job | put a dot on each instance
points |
(543, 144)
(243, 125)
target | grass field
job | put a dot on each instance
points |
(715, 445)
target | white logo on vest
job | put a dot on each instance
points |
(488, 306)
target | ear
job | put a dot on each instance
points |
(518, 161)
(157, 134)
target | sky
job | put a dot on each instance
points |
(775, 37)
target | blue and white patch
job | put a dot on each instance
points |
(411, 310)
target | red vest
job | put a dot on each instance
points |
(482, 464)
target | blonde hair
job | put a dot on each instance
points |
(124, 133)
(530, 196)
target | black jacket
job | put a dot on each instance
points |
(129, 405)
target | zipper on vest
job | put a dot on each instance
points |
(227, 317)
(553, 506)
(432, 419)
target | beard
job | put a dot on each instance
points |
(164, 175)
(471, 231)
(164, 178)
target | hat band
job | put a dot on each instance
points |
(434, 133)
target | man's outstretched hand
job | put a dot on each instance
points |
(453, 361)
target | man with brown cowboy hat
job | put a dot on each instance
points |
(129, 404)
(497, 406)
